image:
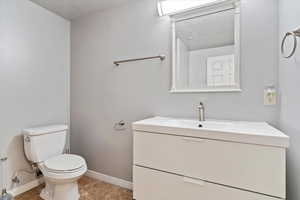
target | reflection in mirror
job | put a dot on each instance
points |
(206, 52)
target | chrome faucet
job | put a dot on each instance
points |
(201, 112)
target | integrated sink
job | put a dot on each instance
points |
(210, 124)
(237, 131)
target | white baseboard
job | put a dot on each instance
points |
(90, 173)
(109, 179)
(26, 187)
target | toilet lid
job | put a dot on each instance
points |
(65, 162)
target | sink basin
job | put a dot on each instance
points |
(238, 131)
(204, 125)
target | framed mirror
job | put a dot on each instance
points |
(206, 49)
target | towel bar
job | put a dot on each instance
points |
(161, 57)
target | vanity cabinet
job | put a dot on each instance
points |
(180, 166)
(150, 184)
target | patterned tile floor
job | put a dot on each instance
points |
(90, 189)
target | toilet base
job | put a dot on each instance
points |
(67, 191)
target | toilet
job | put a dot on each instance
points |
(45, 146)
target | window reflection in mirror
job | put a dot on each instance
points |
(206, 52)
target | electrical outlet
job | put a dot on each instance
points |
(270, 96)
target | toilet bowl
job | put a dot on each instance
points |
(61, 174)
(44, 146)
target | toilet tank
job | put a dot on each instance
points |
(42, 143)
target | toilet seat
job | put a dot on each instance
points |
(65, 163)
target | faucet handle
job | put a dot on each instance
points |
(201, 105)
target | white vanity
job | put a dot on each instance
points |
(175, 159)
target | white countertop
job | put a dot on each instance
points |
(260, 133)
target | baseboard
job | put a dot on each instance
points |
(90, 173)
(26, 187)
(109, 179)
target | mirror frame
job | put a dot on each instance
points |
(198, 12)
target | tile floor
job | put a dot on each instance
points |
(90, 189)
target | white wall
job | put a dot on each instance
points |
(198, 64)
(102, 94)
(182, 65)
(34, 74)
(289, 76)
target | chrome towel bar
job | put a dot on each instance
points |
(161, 57)
(294, 34)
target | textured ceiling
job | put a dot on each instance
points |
(71, 9)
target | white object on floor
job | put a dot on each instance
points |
(45, 146)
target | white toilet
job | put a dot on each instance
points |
(45, 146)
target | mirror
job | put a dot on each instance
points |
(206, 50)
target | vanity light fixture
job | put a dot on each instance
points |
(170, 7)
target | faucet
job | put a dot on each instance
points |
(201, 112)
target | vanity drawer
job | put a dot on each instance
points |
(159, 151)
(155, 185)
(251, 167)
